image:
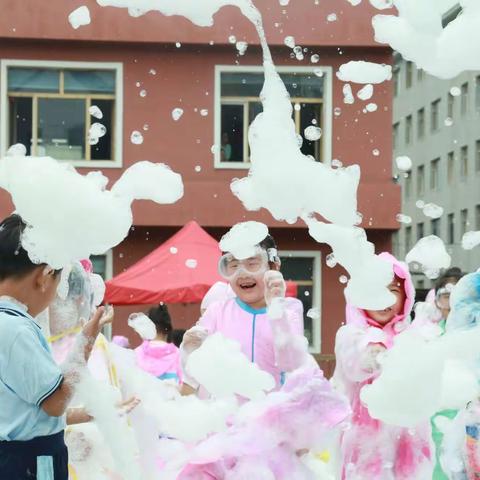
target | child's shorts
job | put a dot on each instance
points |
(43, 458)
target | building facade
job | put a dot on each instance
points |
(437, 125)
(137, 71)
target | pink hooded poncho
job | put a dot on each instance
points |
(371, 449)
(276, 346)
(160, 359)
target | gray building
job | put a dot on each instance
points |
(437, 124)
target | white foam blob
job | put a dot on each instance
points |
(242, 238)
(79, 17)
(364, 72)
(142, 325)
(220, 366)
(431, 255)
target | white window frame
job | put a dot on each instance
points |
(117, 67)
(316, 348)
(327, 110)
(107, 330)
(108, 264)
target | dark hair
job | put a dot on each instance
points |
(267, 243)
(177, 337)
(14, 259)
(161, 318)
(452, 273)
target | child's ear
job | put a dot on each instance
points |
(41, 278)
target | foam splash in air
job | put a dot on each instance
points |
(470, 240)
(64, 229)
(281, 179)
(364, 72)
(431, 255)
(79, 17)
(199, 13)
(418, 35)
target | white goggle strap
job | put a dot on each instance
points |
(273, 255)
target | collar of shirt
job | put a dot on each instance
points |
(10, 303)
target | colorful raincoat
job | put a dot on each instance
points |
(371, 449)
(160, 359)
(276, 346)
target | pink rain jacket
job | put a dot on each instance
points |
(371, 449)
(276, 346)
(160, 359)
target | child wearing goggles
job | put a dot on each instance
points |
(275, 345)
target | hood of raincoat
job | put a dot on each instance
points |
(359, 317)
(158, 358)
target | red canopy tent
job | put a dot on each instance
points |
(181, 270)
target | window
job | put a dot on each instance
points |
(420, 180)
(464, 221)
(395, 243)
(464, 163)
(238, 103)
(102, 265)
(304, 269)
(464, 104)
(408, 185)
(408, 239)
(477, 155)
(420, 231)
(434, 115)
(408, 74)
(477, 217)
(48, 110)
(421, 123)
(450, 105)
(396, 130)
(396, 81)
(408, 129)
(450, 167)
(451, 229)
(477, 93)
(434, 173)
(420, 74)
(435, 227)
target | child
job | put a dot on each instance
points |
(34, 393)
(156, 356)
(370, 449)
(275, 345)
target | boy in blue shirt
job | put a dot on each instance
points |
(34, 392)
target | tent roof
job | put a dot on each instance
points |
(181, 270)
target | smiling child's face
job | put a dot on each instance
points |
(397, 287)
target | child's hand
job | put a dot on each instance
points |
(127, 406)
(275, 286)
(370, 357)
(93, 327)
(107, 317)
(100, 318)
(193, 339)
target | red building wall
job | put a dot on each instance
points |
(185, 78)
